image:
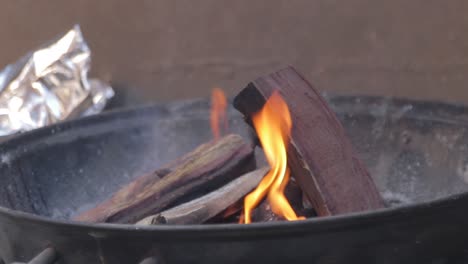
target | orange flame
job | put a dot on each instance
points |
(273, 125)
(218, 113)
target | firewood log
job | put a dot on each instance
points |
(205, 169)
(202, 209)
(320, 155)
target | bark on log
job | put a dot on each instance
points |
(205, 169)
(320, 155)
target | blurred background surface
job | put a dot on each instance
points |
(170, 49)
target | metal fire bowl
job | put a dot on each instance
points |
(416, 152)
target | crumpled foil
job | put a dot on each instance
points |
(49, 85)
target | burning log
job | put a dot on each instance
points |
(204, 208)
(206, 168)
(264, 212)
(320, 155)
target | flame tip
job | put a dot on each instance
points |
(218, 118)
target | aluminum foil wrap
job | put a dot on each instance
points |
(49, 85)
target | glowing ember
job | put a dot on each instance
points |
(218, 113)
(273, 125)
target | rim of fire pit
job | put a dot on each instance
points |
(423, 110)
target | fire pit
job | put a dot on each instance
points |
(416, 153)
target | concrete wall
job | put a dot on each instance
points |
(159, 50)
